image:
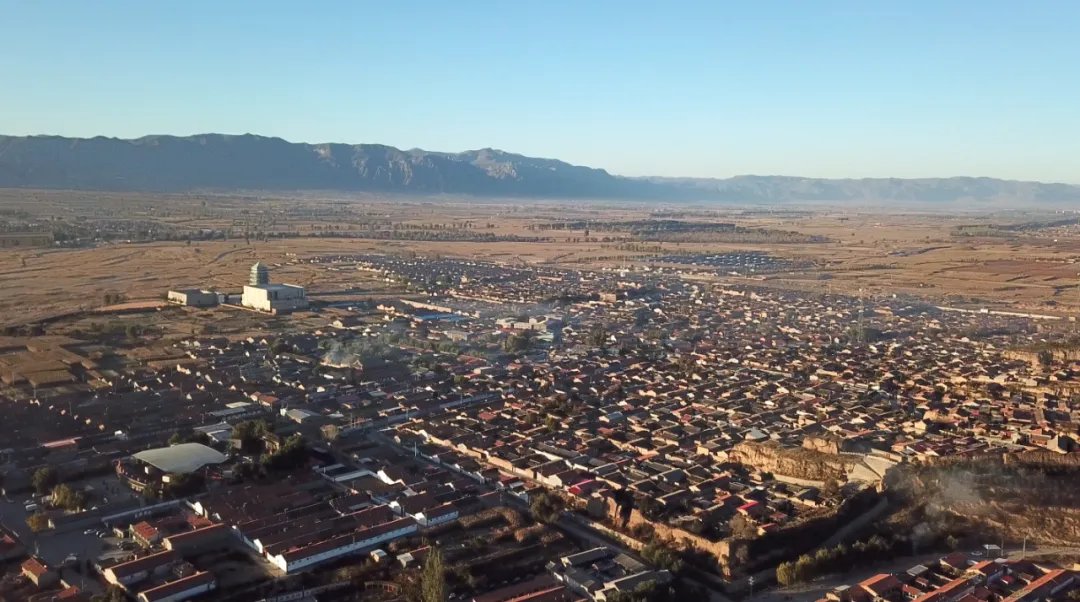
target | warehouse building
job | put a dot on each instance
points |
(274, 298)
(193, 297)
(155, 467)
(262, 295)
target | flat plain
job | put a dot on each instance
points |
(136, 247)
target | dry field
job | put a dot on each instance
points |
(881, 253)
(55, 281)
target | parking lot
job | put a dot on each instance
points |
(52, 547)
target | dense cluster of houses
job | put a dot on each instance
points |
(593, 383)
(960, 578)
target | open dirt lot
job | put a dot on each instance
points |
(213, 240)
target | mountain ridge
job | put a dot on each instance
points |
(227, 162)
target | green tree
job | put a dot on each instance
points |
(804, 568)
(742, 527)
(648, 506)
(293, 454)
(547, 507)
(180, 436)
(433, 579)
(45, 479)
(38, 522)
(551, 423)
(831, 488)
(785, 574)
(280, 346)
(662, 557)
(598, 336)
(518, 343)
(188, 435)
(251, 433)
(68, 498)
(183, 485)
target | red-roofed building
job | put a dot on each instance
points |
(1050, 584)
(957, 561)
(950, 592)
(307, 555)
(71, 594)
(753, 509)
(181, 589)
(134, 571)
(881, 586)
(987, 570)
(438, 515)
(145, 534)
(39, 573)
(68, 594)
(197, 540)
(540, 589)
(10, 547)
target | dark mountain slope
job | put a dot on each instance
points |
(227, 163)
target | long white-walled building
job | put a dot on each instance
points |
(302, 558)
(181, 589)
(274, 298)
(193, 297)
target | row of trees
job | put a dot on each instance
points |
(662, 557)
(838, 559)
(251, 433)
(433, 579)
(293, 454)
(439, 235)
(44, 479)
(520, 342)
(189, 435)
(114, 298)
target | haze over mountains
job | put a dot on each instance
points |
(217, 162)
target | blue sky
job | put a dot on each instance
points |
(814, 88)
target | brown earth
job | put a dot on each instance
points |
(877, 252)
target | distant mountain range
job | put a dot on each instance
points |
(217, 162)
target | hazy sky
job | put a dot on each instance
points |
(714, 88)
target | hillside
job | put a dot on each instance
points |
(1033, 495)
(217, 162)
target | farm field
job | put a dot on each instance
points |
(211, 241)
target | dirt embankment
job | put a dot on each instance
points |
(795, 462)
(1033, 495)
(1048, 461)
(1059, 353)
